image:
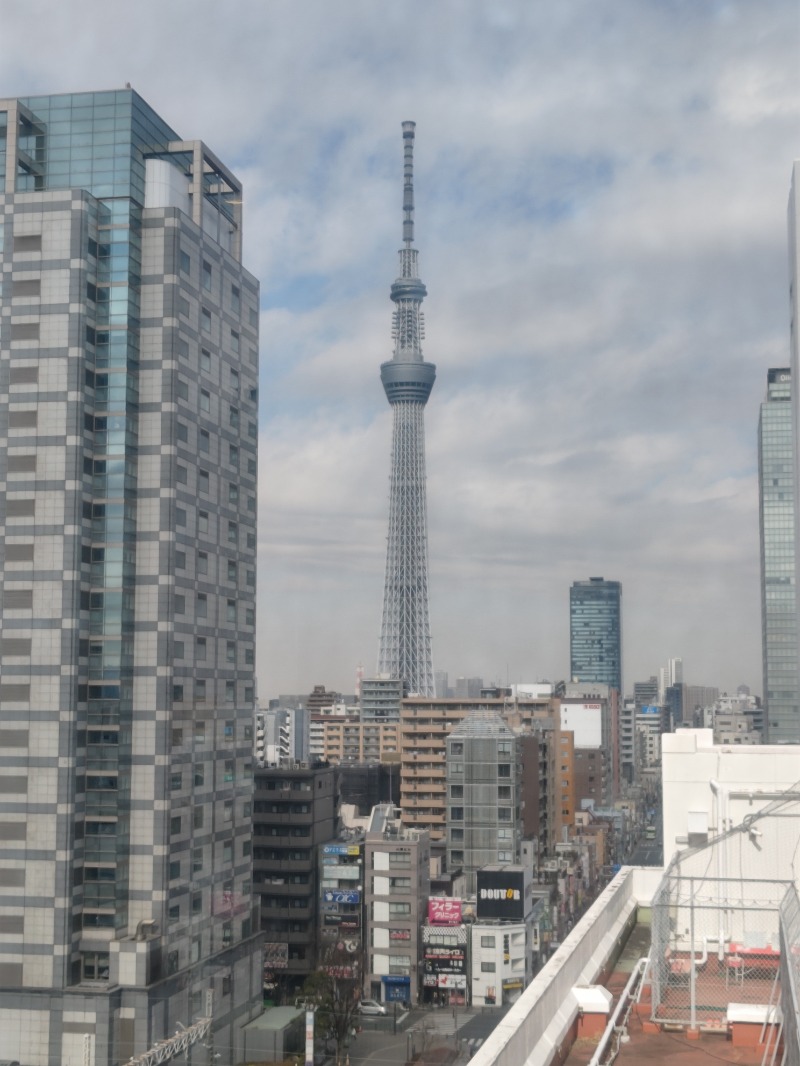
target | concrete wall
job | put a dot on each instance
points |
(537, 1030)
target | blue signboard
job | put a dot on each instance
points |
(650, 709)
(396, 989)
(341, 897)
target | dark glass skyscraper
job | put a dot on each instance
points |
(128, 450)
(778, 593)
(595, 632)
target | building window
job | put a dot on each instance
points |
(457, 814)
(201, 605)
(197, 860)
(199, 775)
(197, 903)
(487, 967)
(202, 562)
(203, 481)
(205, 400)
(233, 493)
(236, 300)
(230, 615)
(205, 360)
(457, 791)
(185, 262)
(202, 521)
(231, 570)
(207, 276)
(233, 417)
(175, 870)
(230, 651)
(204, 441)
(487, 941)
(504, 814)
(177, 693)
(233, 532)
(504, 769)
(200, 690)
(182, 431)
(230, 691)
(181, 474)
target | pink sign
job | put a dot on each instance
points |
(444, 911)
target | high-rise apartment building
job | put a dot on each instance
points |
(128, 436)
(484, 793)
(595, 631)
(405, 640)
(778, 592)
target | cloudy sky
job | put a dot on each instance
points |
(601, 217)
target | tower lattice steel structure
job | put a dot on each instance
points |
(405, 644)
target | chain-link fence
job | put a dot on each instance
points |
(790, 976)
(723, 916)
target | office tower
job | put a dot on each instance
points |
(468, 688)
(778, 593)
(675, 668)
(405, 642)
(484, 792)
(645, 693)
(128, 434)
(441, 683)
(595, 631)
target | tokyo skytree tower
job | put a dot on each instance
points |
(405, 644)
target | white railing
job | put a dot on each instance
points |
(538, 1027)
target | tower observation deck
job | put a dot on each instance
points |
(405, 640)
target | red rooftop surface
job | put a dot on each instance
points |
(649, 1043)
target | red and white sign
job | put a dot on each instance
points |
(444, 911)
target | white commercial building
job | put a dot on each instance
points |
(708, 788)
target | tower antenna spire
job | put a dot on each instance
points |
(408, 183)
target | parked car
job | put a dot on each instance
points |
(371, 1006)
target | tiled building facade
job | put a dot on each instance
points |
(128, 445)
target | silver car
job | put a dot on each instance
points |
(371, 1006)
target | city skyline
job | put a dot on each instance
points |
(605, 235)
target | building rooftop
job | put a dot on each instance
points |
(482, 723)
(702, 960)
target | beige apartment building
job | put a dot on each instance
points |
(345, 739)
(424, 727)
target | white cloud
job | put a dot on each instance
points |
(601, 197)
